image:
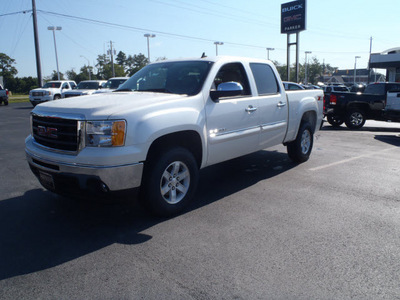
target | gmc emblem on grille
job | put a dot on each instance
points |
(49, 132)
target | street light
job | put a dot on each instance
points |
(54, 28)
(305, 66)
(355, 67)
(88, 66)
(216, 47)
(148, 36)
(269, 49)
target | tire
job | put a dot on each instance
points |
(355, 119)
(335, 120)
(56, 97)
(170, 182)
(300, 149)
(5, 102)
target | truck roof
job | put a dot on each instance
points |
(216, 59)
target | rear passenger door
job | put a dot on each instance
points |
(272, 106)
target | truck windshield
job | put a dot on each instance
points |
(114, 83)
(52, 85)
(185, 77)
(88, 85)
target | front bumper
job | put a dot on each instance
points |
(61, 177)
(39, 99)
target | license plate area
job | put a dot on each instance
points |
(47, 180)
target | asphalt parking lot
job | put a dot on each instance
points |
(261, 228)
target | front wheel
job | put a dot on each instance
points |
(300, 149)
(170, 181)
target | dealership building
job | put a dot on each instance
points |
(389, 60)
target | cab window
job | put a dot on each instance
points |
(233, 72)
(265, 79)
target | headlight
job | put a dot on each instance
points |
(105, 133)
(47, 93)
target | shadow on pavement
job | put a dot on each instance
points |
(40, 230)
(389, 139)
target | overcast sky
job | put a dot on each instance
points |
(337, 31)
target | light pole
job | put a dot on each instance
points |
(88, 66)
(148, 36)
(355, 67)
(269, 49)
(216, 47)
(305, 67)
(54, 28)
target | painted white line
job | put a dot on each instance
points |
(350, 159)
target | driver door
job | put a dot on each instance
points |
(232, 122)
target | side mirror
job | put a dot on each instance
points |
(227, 89)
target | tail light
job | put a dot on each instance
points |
(7, 92)
(333, 100)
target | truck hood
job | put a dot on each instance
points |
(105, 105)
(46, 90)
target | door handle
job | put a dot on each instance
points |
(251, 109)
(281, 104)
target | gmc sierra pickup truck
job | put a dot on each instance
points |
(3, 95)
(51, 90)
(355, 108)
(168, 121)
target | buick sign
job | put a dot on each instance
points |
(293, 16)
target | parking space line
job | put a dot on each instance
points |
(350, 159)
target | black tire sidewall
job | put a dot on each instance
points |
(348, 119)
(154, 169)
(332, 119)
(294, 148)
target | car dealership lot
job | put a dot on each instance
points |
(261, 227)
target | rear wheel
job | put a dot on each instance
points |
(335, 120)
(170, 181)
(300, 149)
(355, 119)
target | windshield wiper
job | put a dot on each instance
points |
(156, 91)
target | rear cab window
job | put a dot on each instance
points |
(265, 79)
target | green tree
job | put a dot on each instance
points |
(7, 70)
(54, 75)
(135, 63)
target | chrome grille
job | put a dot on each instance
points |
(37, 93)
(56, 133)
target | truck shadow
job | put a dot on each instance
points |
(40, 230)
(389, 139)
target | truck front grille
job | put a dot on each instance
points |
(37, 94)
(56, 133)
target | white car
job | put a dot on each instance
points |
(112, 84)
(291, 86)
(86, 87)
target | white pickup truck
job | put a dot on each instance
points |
(169, 120)
(51, 90)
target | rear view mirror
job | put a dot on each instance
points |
(227, 89)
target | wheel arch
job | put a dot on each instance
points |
(188, 139)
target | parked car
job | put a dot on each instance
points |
(86, 87)
(290, 86)
(51, 90)
(111, 85)
(3, 95)
(378, 102)
(358, 88)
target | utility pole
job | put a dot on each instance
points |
(111, 52)
(369, 61)
(36, 36)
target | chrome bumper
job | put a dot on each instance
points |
(110, 178)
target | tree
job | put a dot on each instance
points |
(54, 75)
(135, 63)
(121, 58)
(7, 70)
